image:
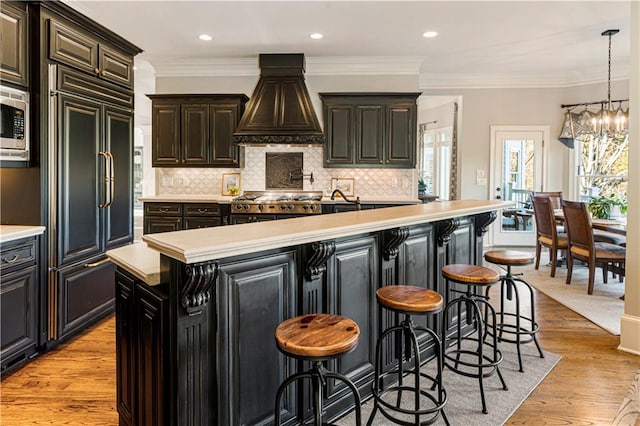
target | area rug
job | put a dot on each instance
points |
(463, 405)
(604, 307)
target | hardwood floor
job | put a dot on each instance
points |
(75, 383)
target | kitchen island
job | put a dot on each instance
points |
(197, 347)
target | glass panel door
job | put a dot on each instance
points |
(517, 170)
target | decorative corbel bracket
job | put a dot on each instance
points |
(482, 221)
(393, 239)
(195, 293)
(317, 263)
(445, 229)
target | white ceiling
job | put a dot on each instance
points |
(480, 43)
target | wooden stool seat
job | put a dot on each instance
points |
(470, 274)
(509, 257)
(317, 335)
(409, 298)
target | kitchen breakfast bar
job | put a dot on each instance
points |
(196, 310)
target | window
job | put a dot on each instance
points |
(602, 166)
(435, 164)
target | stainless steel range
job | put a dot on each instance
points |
(257, 206)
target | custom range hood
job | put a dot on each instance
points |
(280, 110)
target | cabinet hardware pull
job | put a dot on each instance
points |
(162, 210)
(202, 210)
(15, 258)
(106, 180)
(112, 178)
(98, 263)
(103, 73)
(96, 70)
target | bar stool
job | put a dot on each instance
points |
(409, 300)
(525, 324)
(462, 358)
(317, 338)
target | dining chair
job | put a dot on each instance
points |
(610, 257)
(547, 231)
(554, 196)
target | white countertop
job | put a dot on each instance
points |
(190, 198)
(139, 260)
(199, 245)
(204, 198)
(15, 232)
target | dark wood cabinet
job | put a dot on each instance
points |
(85, 293)
(141, 357)
(195, 130)
(167, 217)
(19, 271)
(74, 47)
(259, 293)
(370, 129)
(13, 43)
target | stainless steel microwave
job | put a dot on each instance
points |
(14, 125)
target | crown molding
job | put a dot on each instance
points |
(209, 67)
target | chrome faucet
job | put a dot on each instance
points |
(340, 193)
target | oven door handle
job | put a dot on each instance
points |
(107, 180)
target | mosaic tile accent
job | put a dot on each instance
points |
(369, 183)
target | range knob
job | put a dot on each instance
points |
(290, 206)
(246, 206)
(283, 207)
(260, 207)
(313, 207)
(305, 207)
(238, 206)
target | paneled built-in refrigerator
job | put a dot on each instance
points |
(90, 192)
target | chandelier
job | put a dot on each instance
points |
(610, 121)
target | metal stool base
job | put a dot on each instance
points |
(411, 351)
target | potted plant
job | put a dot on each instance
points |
(422, 187)
(603, 206)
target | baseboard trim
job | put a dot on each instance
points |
(630, 334)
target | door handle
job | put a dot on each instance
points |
(106, 179)
(96, 264)
(112, 177)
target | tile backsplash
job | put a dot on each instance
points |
(369, 183)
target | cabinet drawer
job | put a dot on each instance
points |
(163, 209)
(197, 222)
(18, 255)
(202, 209)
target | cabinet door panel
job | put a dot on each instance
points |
(258, 295)
(18, 315)
(354, 268)
(154, 225)
(223, 120)
(125, 349)
(339, 135)
(401, 128)
(195, 134)
(81, 174)
(72, 47)
(166, 134)
(152, 348)
(119, 142)
(13, 61)
(200, 222)
(369, 134)
(84, 295)
(116, 67)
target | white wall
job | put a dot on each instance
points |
(518, 107)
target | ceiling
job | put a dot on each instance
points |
(480, 43)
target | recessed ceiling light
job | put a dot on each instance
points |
(429, 34)
(205, 37)
(316, 36)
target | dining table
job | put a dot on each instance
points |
(613, 225)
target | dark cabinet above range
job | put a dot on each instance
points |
(195, 130)
(372, 130)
